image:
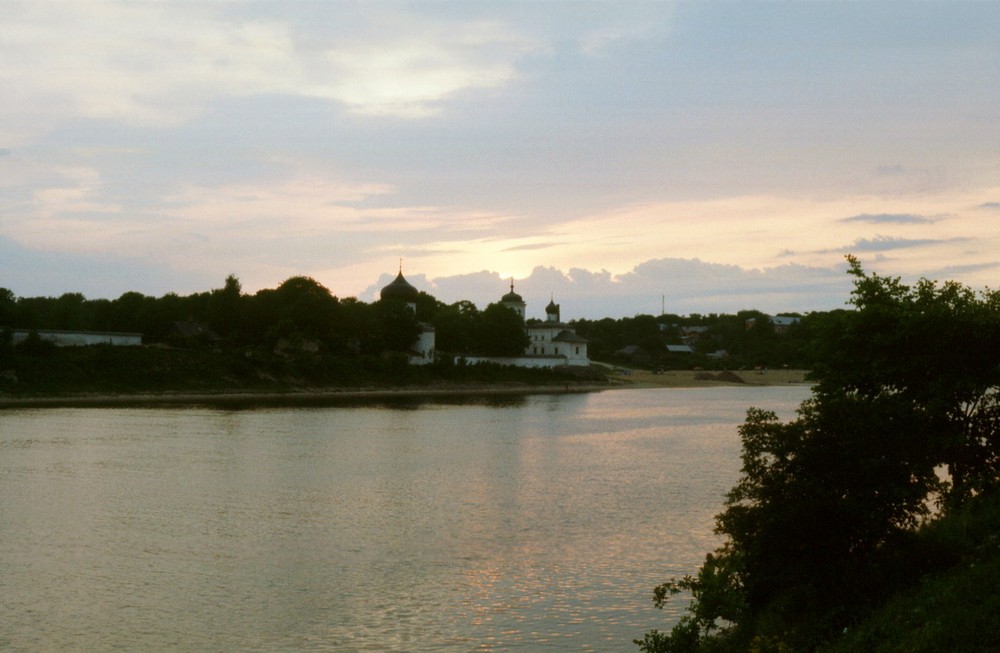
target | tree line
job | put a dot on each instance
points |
(298, 310)
(744, 339)
(302, 309)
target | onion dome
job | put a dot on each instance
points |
(552, 311)
(512, 297)
(400, 289)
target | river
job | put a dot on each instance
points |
(534, 523)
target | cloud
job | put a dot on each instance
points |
(415, 62)
(890, 218)
(680, 286)
(531, 246)
(146, 63)
(886, 243)
(161, 64)
(65, 211)
(951, 271)
(480, 287)
(31, 273)
(306, 223)
(559, 143)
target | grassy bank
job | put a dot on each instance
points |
(106, 370)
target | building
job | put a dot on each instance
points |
(422, 350)
(690, 335)
(556, 339)
(513, 301)
(780, 323)
(551, 343)
(78, 338)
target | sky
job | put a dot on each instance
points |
(619, 157)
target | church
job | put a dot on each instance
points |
(551, 343)
(422, 350)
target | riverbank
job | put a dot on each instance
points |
(705, 378)
(314, 397)
(621, 379)
(130, 376)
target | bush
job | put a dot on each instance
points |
(824, 515)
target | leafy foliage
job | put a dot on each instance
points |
(933, 348)
(822, 524)
(501, 332)
(456, 327)
(748, 338)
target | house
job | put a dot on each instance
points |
(690, 335)
(780, 323)
(634, 354)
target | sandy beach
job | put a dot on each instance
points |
(705, 378)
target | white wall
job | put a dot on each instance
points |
(518, 361)
(81, 338)
(423, 348)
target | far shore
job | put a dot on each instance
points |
(620, 379)
(710, 378)
(291, 397)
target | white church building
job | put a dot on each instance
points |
(551, 343)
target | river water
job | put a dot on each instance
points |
(537, 523)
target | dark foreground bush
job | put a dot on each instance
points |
(832, 515)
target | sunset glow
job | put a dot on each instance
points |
(619, 155)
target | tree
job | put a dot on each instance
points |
(501, 332)
(8, 308)
(159, 315)
(225, 311)
(70, 312)
(456, 327)
(934, 347)
(821, 520)
(300, 307)
(355, 326)
(396, 327)
(131, 312)
(427, 307)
